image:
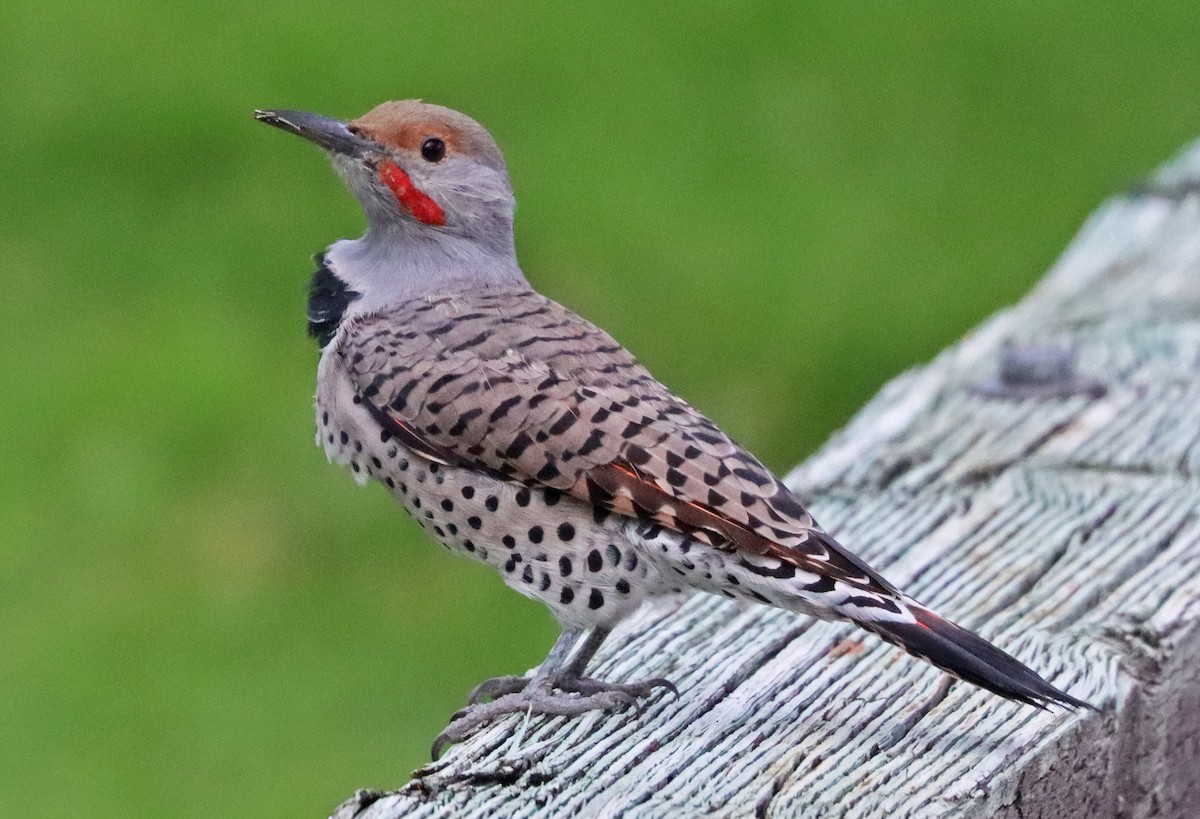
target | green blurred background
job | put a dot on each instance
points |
(777, 206)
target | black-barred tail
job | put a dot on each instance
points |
(971, 658)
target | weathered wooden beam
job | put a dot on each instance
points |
(1066, 528)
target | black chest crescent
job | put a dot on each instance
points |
(328, 298)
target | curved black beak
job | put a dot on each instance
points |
(329, 133)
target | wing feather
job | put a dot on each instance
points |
(510, 382)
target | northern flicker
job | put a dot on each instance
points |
(521, 435)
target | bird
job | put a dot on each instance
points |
(523, 436)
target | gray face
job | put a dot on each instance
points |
(411, 164)
(435, 190)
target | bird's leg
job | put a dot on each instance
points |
(586, 652)
(568, 675)
(557, 689)
(572, 677)
(499, 686)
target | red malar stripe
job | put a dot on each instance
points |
(412, 198)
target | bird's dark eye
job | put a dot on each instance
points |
(433, 149)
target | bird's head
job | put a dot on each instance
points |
(420, 167)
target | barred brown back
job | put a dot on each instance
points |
(508, 381)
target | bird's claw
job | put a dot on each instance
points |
(467, 721)
(563, 696)
(572, 684)
(497, 687)
(590, 685)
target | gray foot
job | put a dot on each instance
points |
(499, 686)
(590, 685)
(563, 696)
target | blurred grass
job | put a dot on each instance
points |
(777, 207)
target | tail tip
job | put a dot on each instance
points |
(970, 657)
